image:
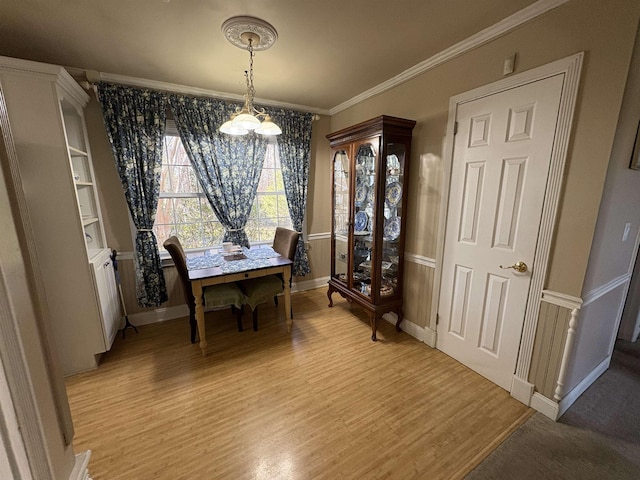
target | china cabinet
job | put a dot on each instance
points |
(370, 176)
(45, 107)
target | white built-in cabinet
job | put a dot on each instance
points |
(45, 107)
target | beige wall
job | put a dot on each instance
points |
(606, 35)
(318, 200)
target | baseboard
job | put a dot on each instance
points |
(159, 315)
(430, 337)
(521, 390)
(545, 406)
(80, 469)
(309, 284)
(579, 389)
(416, 331)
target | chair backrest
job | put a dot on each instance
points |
(285, 242)
(173, 246)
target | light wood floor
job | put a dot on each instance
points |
(322, 403)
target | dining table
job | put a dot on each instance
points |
(217, 266)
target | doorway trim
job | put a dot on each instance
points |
(570, 67)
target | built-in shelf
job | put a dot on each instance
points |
(45, 107)
(76, 152)
(89, 220)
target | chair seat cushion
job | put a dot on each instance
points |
(223, 295)
(261, 289)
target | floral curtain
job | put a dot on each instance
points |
(294, 147)
(135, 121)
(228, 167)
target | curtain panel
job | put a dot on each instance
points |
(135, 123)
(227, 167)
(294, 148)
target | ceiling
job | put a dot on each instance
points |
(327, 52)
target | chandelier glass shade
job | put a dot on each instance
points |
(249, 118)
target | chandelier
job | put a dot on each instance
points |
(251, 34)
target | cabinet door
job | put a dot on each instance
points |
(393, 174)
(364, 216)
(341, 169)
(108, 297)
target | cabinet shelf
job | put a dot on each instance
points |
(86, 221)
(366, 267)
(76, 152)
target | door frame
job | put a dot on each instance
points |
(570, 67)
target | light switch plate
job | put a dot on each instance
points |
(509, 64)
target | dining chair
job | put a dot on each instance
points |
(223, 295)
(262, 289)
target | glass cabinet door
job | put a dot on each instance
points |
(341, 174)
(364, 215)
(393, 165)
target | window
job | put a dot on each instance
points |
(184, 211)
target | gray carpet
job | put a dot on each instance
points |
(597, 438)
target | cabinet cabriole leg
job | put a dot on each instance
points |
(329, 292)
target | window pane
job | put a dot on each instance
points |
(268, 206)
(283, 208)
(267, 181)
(269, 159)
(285, 222)
(252, 231)
(162, 233)
(165, 179)
(187, 210)
(279, 181)
(213, 233)
(174, 153)
(207, 211)
(254, 210)
(190, 235)
(183, 180)
(164, 214)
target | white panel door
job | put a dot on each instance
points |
(501, 159)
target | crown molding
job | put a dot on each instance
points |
(187, 90)
(484, 36)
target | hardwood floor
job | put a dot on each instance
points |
(322, 403)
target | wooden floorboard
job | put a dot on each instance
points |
(323, 402)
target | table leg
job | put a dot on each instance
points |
(197, 293)
(287, 296)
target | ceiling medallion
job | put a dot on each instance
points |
(250, 34)
(237, 29)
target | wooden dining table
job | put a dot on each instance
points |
(216, 267)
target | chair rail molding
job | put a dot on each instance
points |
(561, 299)
(420, 259)
(602, 290)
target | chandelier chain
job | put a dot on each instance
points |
(250, 88)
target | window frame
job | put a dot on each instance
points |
(171, 130)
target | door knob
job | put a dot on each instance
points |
(518, 267)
